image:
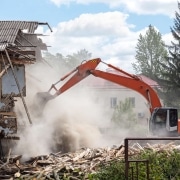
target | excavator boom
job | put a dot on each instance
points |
(133, 83)
(89, 68)
(123, 78)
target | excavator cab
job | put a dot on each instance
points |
(164, 122)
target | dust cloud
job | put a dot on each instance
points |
(70, 121)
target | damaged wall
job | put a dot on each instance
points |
(19, 47)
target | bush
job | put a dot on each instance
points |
(163, 165)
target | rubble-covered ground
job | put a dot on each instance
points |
(72, 165)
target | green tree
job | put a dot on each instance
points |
(76, 58)
(123, 115)
(170, 79)
(150, 52)
(56, 61)
(62, 63)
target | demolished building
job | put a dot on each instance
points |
(20, 45)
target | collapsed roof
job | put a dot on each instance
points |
(21, 41)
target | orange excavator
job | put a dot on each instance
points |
(157, 125)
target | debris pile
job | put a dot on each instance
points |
(73, 165)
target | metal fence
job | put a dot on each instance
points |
(135, 172)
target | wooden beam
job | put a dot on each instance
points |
(28, 52)
(21, 61)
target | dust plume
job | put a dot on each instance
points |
(71, 121)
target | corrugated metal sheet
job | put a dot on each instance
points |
(10, 29)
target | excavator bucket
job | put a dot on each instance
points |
(41, 99)
(44, 97)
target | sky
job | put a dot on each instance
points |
(109, 29)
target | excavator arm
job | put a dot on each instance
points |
(123, 78)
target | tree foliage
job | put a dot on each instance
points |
(76, 58)
(123, 115)
(170, 78)
(70, 61)
(150, 51)
(163, 165)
